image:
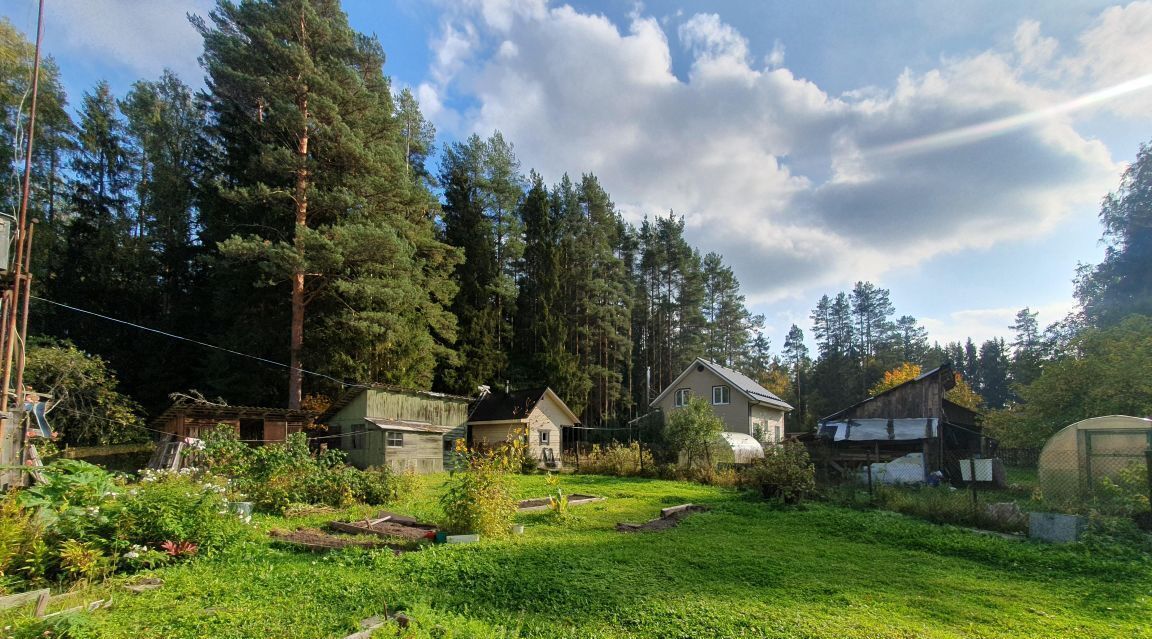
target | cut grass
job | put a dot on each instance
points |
(742, 569)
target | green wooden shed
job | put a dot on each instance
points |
(397, 427)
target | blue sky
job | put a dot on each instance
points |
(769, 125)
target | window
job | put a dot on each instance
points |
(682, 395)
(358, 437)
(394, 440)
(544, 436)
(721, 395)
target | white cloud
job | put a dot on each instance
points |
(771, 170)
(146, 37)
(1115, 50)
(986, 323)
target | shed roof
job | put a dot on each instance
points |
(406, 426)
(516, 405)
(741, 382)
(210, 410)
(354, 391)
(948, 381)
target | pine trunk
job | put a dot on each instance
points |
(295, 377)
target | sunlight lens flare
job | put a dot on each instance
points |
(984, 130)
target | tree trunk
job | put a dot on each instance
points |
(296, 345)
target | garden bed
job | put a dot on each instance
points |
(387, 524)
(669, 518)
(319, 541)
(541, 503)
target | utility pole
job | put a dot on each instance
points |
(20, 291)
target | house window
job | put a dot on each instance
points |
(682, 395)
(544, 436)
(721, 395)
(394, 440)
(358, 437)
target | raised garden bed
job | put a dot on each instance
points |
(669, 518)
(386, 524)
(541, 503)
(319, 541)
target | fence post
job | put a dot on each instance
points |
(972, 483)
(1148, 468)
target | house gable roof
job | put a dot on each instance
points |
(516, 406)
(748, 387)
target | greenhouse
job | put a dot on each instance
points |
(1094, 461)
(736, 449)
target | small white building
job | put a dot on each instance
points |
(539, 412)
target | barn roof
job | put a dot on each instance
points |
(948, 380)
(741, 382)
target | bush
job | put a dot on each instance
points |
(479, 499)
(785, 473)
(178, 508)
(621, 460)
(276, 476)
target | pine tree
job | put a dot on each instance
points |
(312, 197)
(1027, 348)
(728, 321)
(912, 340)
(994, 367)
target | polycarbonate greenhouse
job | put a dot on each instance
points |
(1084, 462)
(736, 448)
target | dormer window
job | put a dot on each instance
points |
(721, 395)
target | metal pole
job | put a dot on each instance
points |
(972, 482)
(23, 334)
(10, 313)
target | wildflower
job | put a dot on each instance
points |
(131, 554)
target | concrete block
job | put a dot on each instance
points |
(1055, 527)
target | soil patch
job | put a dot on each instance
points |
(669, 518)
(387, 524)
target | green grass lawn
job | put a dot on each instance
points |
(745, 569)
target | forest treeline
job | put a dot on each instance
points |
(297, 209)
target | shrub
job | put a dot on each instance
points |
(276, 476)
(691, 431)
(479, 499)
(621, 460)
(177, 508)
(785, 472)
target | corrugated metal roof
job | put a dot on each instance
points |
(406, 426)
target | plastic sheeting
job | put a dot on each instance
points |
(866, 430)
(908, 469)
(1076, 459)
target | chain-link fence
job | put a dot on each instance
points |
(1109, 476)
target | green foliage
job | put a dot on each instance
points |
(785, 473)
(1126, 494)
(1121, 285)
(89, 410)
(478, 499)
(691, 431)
(276, 476)
(1108, 371)
(178, 507)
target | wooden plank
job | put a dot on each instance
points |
(22, 599)
(672, 510)
(42, 603)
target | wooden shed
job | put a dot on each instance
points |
(397, 427)
(912, 422)
(537, 414)
(252, 424)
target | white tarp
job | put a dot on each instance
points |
(908, 469)
(865, 430)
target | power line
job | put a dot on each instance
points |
(342, 383)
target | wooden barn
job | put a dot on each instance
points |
(397, 427)
(904, 434)
(252, 424)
